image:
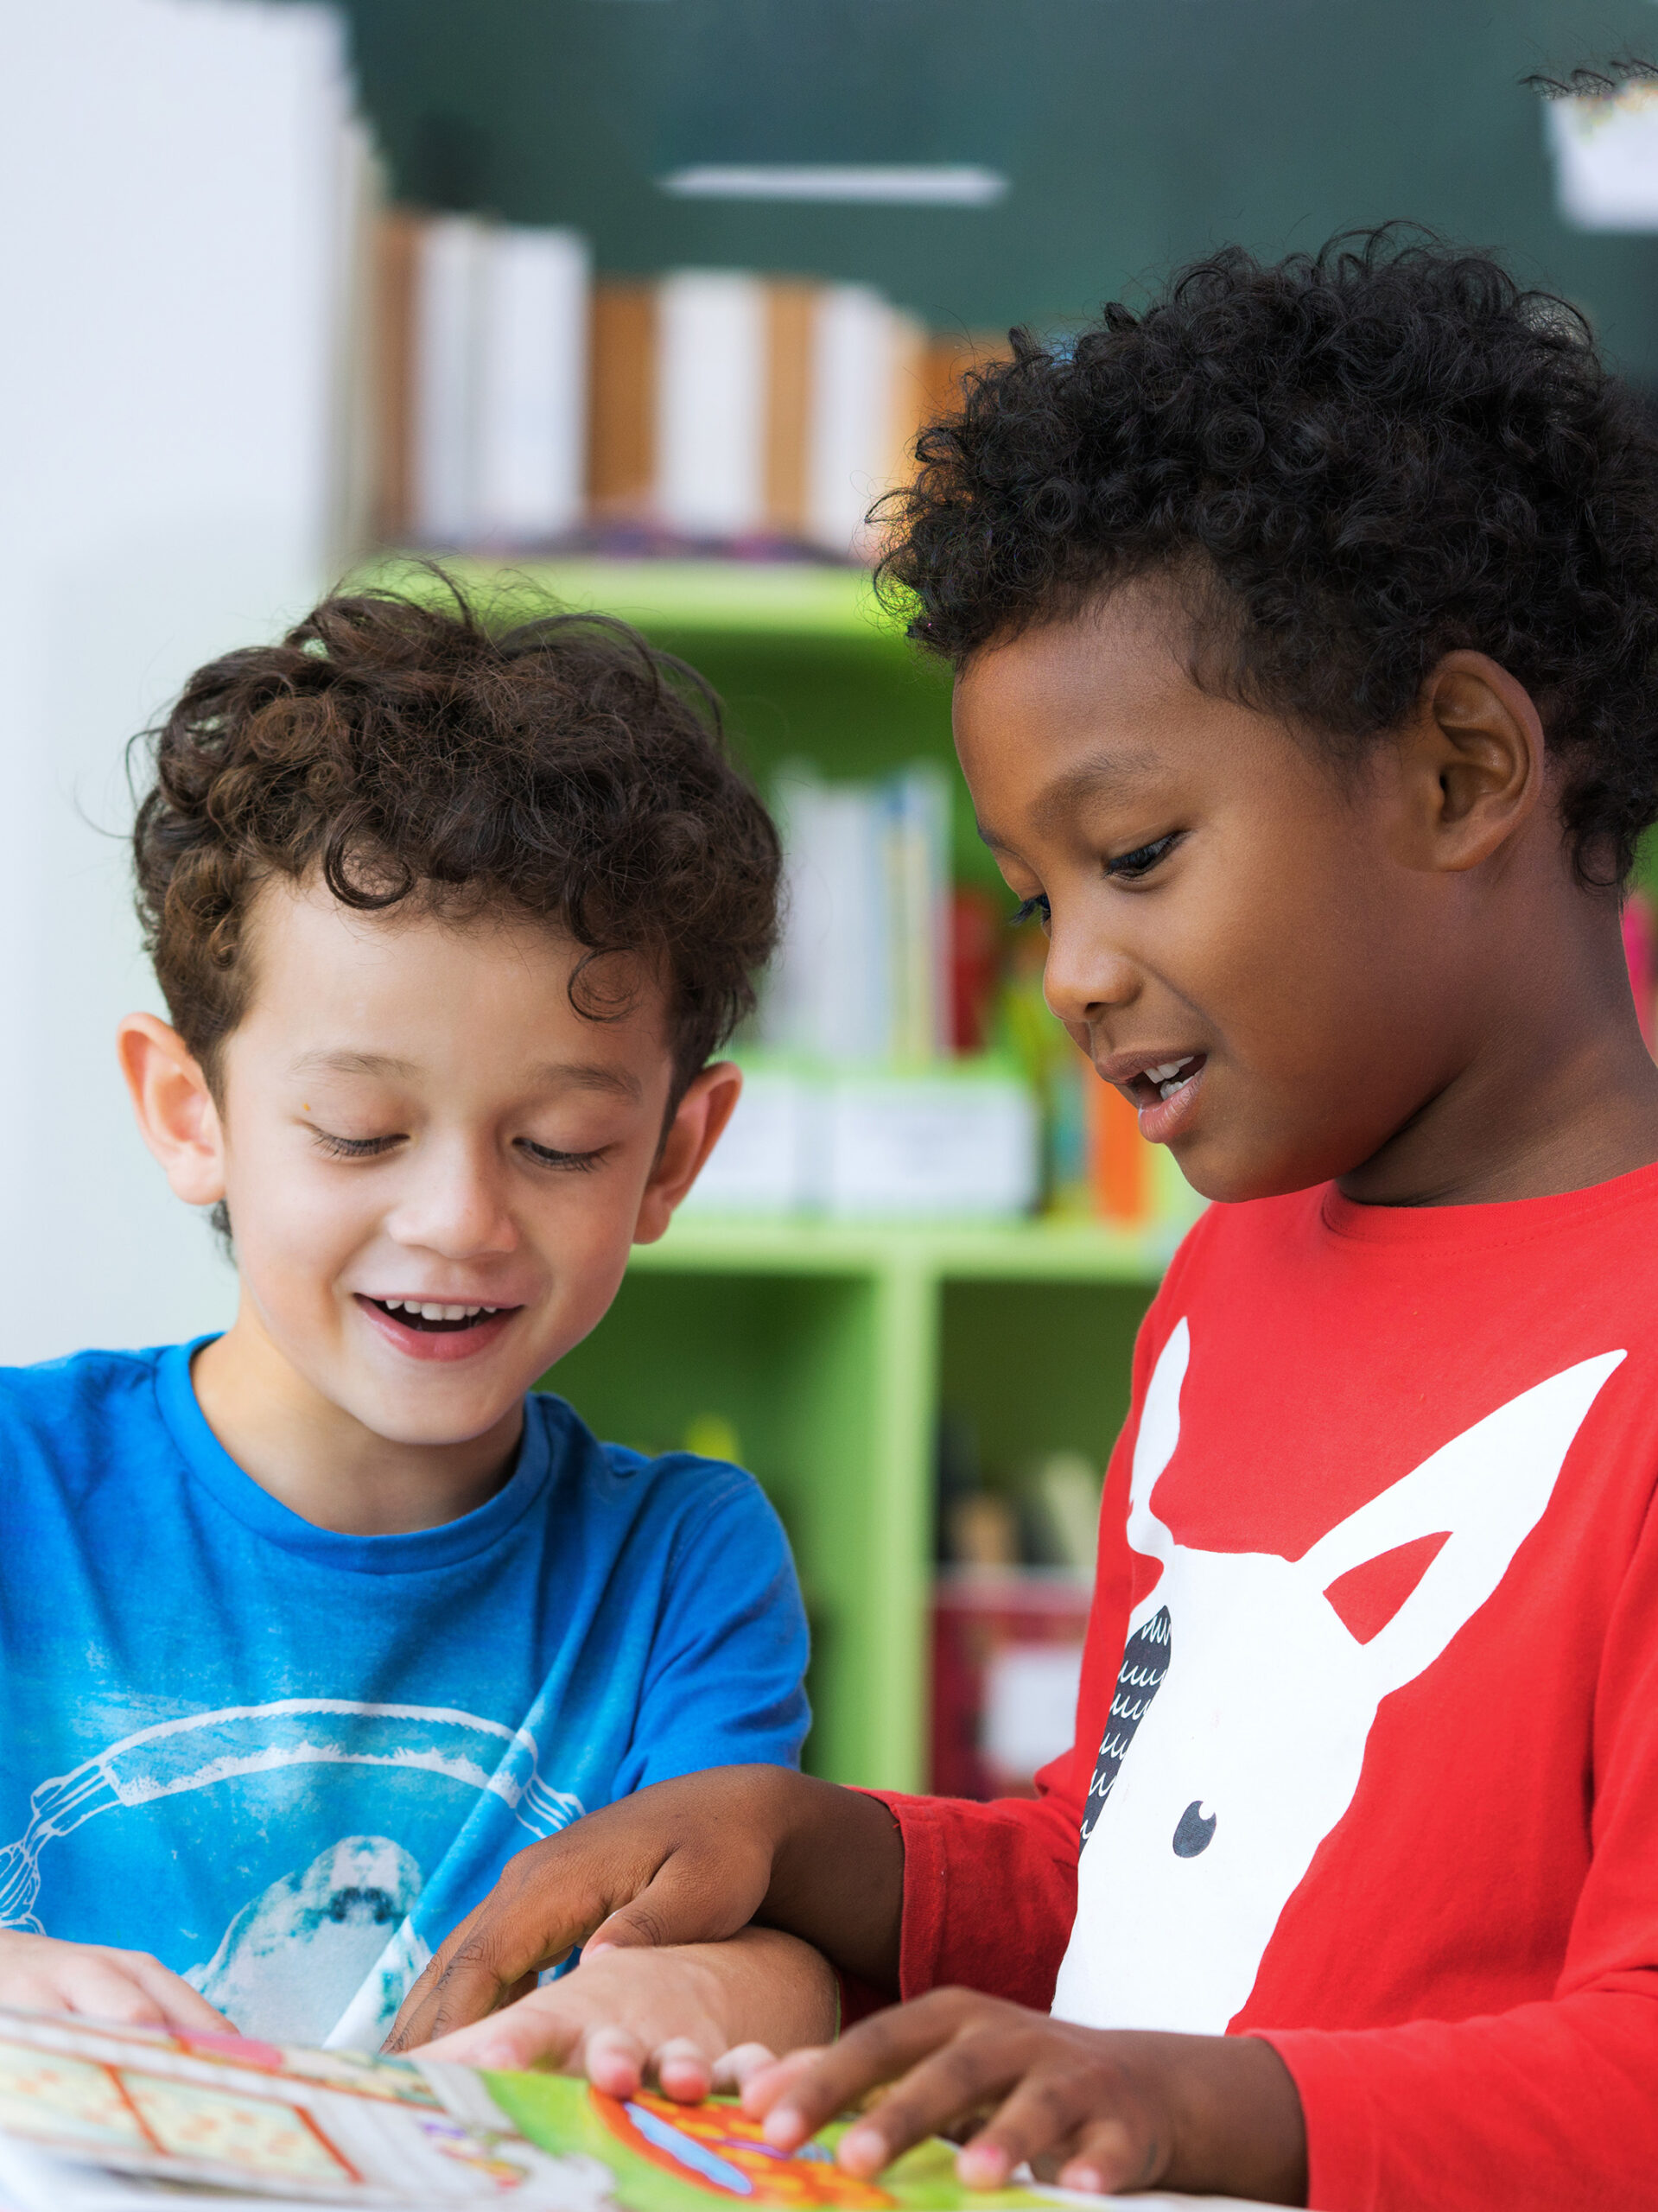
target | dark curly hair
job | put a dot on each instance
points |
(399, 750)
(1361, 458)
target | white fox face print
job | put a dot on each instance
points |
(1244, 1703)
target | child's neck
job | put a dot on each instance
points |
(324, 1463)
(1554, 1091)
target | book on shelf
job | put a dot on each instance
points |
(97, 2119)
(621, 469)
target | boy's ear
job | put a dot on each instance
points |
(176, 1114)
(1472, 760)
(692, 1135)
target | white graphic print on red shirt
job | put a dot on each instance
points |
(1244, 1703)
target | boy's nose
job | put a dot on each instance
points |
(1082, 979)
(458, 1208)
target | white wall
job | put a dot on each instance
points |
(170, 170)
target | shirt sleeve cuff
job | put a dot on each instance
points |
(1337, 2110)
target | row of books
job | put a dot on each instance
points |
(518, 401)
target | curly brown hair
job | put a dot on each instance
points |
(398, 750)
(1379, 453)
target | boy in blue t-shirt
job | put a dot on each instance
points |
(308, 1628)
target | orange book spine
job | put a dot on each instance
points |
(1119, 1158)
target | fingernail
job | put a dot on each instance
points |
(782, 2127)
(1088, 2180)
(982, 2165)
(863, 2149)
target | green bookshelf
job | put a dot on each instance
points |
(833, 1351)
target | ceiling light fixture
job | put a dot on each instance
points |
(872, 185)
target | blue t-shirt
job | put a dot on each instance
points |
(287, 1761)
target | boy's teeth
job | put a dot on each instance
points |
(1168, 1068)
(429, 1311)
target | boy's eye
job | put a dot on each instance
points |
(1028, 907)
(353, 1148)
(1143, 859)
(578, 1163)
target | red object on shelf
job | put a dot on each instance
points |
(1006, 1656)
(1638, 951)
(975, 959)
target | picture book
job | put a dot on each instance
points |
(96, 2118)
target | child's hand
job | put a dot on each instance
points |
(690, 1861)
(1100, 2110)
(40, 1974)
(700, 2017)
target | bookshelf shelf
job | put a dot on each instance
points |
(833, 1350)
(1023, 1251)
(795, 599)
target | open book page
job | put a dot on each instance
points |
(98, 2119)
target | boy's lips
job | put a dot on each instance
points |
(454, 1332)
(1161, 1087)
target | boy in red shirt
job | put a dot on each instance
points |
(1305, 630)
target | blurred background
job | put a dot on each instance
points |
(639, 302)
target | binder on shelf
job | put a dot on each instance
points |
(447, 344)
(532, 389)
(866, 364)
(791, 319)
(712, 363)
(622, 382)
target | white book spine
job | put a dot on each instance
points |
(850, 449)
(449, 289)
(532, 384)
(917, 861)
(711, 382)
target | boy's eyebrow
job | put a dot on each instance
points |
(552, 1074)
(1115, 771)
(348, 1063)
(588, 1075)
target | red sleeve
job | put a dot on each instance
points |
(1552, 2104)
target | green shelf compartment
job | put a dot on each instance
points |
(832, 1350)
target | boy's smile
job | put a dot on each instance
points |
(434, 1167)
(1296, 968)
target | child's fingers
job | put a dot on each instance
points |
(85, 1981)
(940, 2090)
(735, 2070)
(538, 2030)
(1107, 2156)
(880, 2048)
(683, 2070)
(764, 2084)
(496, 1946)
(1050, 2109)
(614, 2060)
(181, 2007)
(692, 1898)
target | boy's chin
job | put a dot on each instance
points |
(1231, 1175)
(444, 1420)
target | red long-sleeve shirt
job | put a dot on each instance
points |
(1367, 1742)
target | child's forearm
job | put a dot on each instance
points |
(837, 1880)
